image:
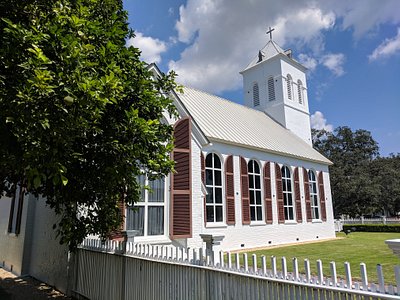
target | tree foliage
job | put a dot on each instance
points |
(354, 191)
(79, 112)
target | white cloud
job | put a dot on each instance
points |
(318, 122)
(334, 62)
(387, 48)
(151, 48)
(309, 62)
(223, 36)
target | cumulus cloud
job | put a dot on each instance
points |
(334, 62)
(387, 48)
(319, 122)
(151, 48)
(309, 62)
(223, 36)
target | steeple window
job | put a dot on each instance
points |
(289, 81)
(271, 89)
(300, 91)
(256, 95)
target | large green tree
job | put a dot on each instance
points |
(79, 112)
(354, 191)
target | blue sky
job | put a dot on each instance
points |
(351, 48)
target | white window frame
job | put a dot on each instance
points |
(146, 204)
(314, 199)
(287, 189)
(253, 191)
(214, 186)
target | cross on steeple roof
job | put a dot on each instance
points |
(270, 32)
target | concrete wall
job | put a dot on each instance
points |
(12, 245)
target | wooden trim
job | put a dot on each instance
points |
(267, 193)
(203, 180)
(279, 194)
(297, 195)
(181, 185)
(244, 184)
(322, 195)
(230, 191)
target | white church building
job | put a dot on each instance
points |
(245, 173)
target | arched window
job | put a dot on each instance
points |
(271, 89)
(289, 86)
(256, 95)
(300, 91)
(254, 174)
(214, 205)
(288, 202)
(312, 179)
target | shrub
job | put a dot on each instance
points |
(372, 227)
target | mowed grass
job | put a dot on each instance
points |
(356, 248)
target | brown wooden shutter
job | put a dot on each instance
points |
(267, 193)
(307, 195)
(322, 195)
(279, 194)
(244, 183)
(203, 180)
(230, 191)
(297, 195)
(181, 200)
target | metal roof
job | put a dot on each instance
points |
(270, 50)
(232, 123)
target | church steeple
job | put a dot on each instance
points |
(275, 83)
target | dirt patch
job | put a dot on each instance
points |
(22, 288)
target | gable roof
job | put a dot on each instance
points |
(270, 50)
(231, 123)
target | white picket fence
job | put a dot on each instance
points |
(113, 271)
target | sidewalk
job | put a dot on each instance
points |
(22, 288)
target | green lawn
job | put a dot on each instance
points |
(357, 247)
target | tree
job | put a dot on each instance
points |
(79, 112)
(385, 171)
(354, 192)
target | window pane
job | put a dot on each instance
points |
(253, 213)
(156, 220)
(218, 212)
(209, 177)
(291, 214)
(251, 181)
(210, 196)
(210, 213)
(217, 178)
(209, 161)
(250, 166)
(157, 190)
(142, 181)
(258, 182)
(289, 186)
(217, 162)
(251, 197)
(256, 167)
(258, 197)
(218, 195)
(135, 219)
(259, 213)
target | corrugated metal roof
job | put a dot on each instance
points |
(229, 122)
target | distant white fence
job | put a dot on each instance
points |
(382, 220)
(165, 272)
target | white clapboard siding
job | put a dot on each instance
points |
(113, 270)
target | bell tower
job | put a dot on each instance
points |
(275, 83)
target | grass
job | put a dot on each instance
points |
(357, 247)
